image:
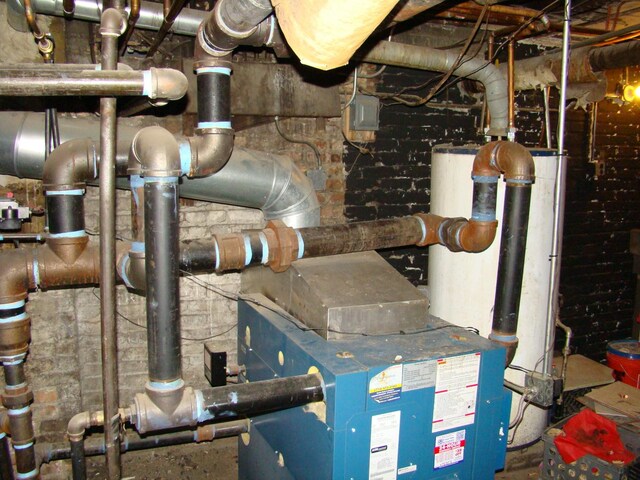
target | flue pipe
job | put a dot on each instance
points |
(475, 68)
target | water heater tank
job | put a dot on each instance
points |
(462, 285)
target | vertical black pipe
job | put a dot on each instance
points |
(162, 272)
(511, 265)
(214, 97)
(110, 29)
(78, 459)
(6, 468)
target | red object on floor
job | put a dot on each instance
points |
(588, 433)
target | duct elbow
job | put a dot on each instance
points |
(70, 165)
(508, 158)
(155, 153)
(210, 151)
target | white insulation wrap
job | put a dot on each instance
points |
(462, 285)
(325, 33)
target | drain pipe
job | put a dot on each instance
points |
(475, 68)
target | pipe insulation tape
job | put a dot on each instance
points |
(147, 84)
(300, 244)
(54, 193)
(14, 318)
(13, 305)
(424, 229)
(225, 124)
(248, 251)
(220, 70)
(217, 250)
(26, 476)
(265, 248)
(503, 338)
(166, 386)
(74, 234)
(18, 411)
(184, 148)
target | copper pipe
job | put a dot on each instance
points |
(167, 23)
(30, 15)
(134, 14)
(166, 7)
(490, 53)
(510, 89)
(498, 15)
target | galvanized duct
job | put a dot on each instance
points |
(271, 183)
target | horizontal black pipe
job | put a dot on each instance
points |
(70, 83)
(132, 442)
(264, 396)
(361, 236)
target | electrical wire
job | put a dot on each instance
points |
(353, 93)
(300, 141)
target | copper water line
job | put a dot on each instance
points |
(167, 23)
(134, 14)
(511, 90)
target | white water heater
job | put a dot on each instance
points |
(462, 285)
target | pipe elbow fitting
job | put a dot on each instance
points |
(155, 153)
(508, 158)
(476, 237)
(112, 23)
(17, 275)
(70, 165)
(166, 84)
(81, 421)
(210, 151)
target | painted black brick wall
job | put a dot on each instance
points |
(597, 283)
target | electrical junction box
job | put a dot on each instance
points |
(428, 403)
(364, 113)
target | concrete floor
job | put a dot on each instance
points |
(219, 460)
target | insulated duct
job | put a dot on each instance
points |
(325, 34)
(271, 183)
(474, 68)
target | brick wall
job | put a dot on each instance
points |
(597, 282)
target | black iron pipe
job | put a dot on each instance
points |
(6, 467)
(361, 236)
(65, 213)
(511, 266)
(162, 272)
(264, 396)
(214, 97)
(130, 442)
(78, 459)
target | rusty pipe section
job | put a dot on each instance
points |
(475, 68)
(155, 83)
(42, 267)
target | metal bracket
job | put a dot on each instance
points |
(541, 387)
